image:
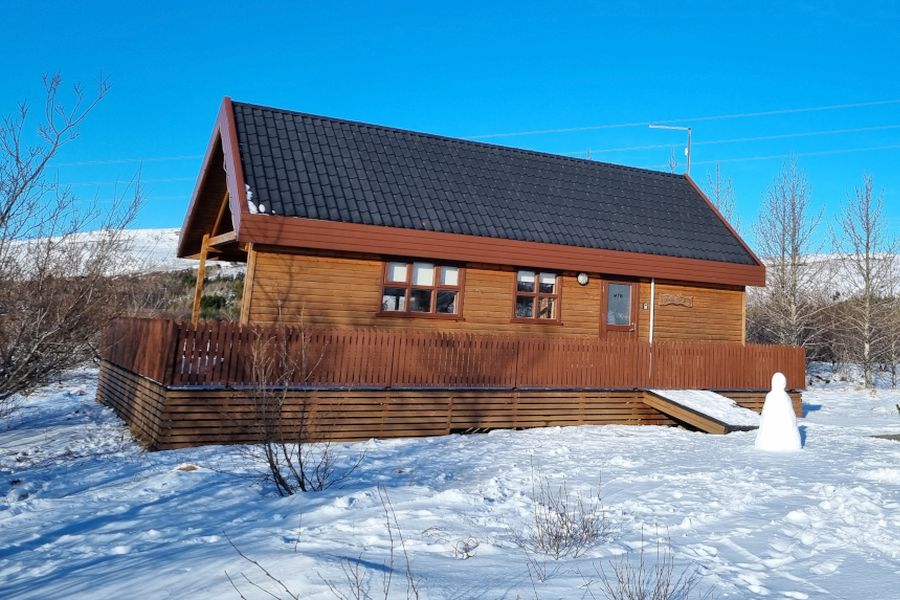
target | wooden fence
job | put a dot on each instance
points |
(224, 354)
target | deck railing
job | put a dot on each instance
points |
(223, 354)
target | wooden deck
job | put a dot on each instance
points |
(181, 385)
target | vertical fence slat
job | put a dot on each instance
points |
(218, 353)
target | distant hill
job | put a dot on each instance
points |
(153, 251)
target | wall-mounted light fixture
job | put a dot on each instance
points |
(582, 278)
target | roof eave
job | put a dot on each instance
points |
(224, 131)
(315, 234)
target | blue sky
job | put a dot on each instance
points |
(477, 68)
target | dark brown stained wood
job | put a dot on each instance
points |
(164, 418)
(218, 353)
(213, 184)
(295, 232)
(217, 224)
(754, 400)
(139, 401)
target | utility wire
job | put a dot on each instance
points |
(141, 181)
(788, 155)
(745, 115)
(759, 138)
(114, 161)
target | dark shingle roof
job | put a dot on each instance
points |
(301, 165)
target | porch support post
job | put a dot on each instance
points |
(201, 273)
(248, 284)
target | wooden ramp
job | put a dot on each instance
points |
(705, 410)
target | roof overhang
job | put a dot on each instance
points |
(221, 154)
(315, 234)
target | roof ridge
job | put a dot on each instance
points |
(435, 136)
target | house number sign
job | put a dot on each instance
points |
(676, 300)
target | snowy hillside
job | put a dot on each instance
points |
(152, 250)
(85, 513)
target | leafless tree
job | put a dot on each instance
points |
(55, 286)
(673, 161)
(893, 341)
(787, 309)
(296, 460)
(868, 264)
(721, 191)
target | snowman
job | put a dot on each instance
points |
(778, 424)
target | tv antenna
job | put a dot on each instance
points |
(687, 149)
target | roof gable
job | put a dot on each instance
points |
(301, 165)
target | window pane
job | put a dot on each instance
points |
(393, 299)
(420, 301)
(449, 276)
(423, 274)
(548, 283)
(619, 304)
(548, 308)
(446, 302)
(525, 281)
(524, 307)
(396, 271)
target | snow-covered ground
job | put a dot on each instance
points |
(723, 409)
(87, 514)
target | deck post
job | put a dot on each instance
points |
(201, 273)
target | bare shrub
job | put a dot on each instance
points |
(563, 523)
(649, 577)
(281, 357)
(57, 286)
(357, 584)
(279, 588)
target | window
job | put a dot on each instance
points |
(421, 288)
(537, 296)
(620, 306)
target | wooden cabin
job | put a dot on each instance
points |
(379, 239)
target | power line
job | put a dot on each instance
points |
(139, 181)
(790, 155)
(114, 161)
(745, 115)
(759, 138)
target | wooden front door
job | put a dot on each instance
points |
(619, 310)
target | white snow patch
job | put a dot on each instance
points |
(84, 512)
(712, 404)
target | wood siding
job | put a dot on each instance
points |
(182, 417)
(715, 315)
(139, 401)
(329, 291)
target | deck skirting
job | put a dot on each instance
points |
(165, 417)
